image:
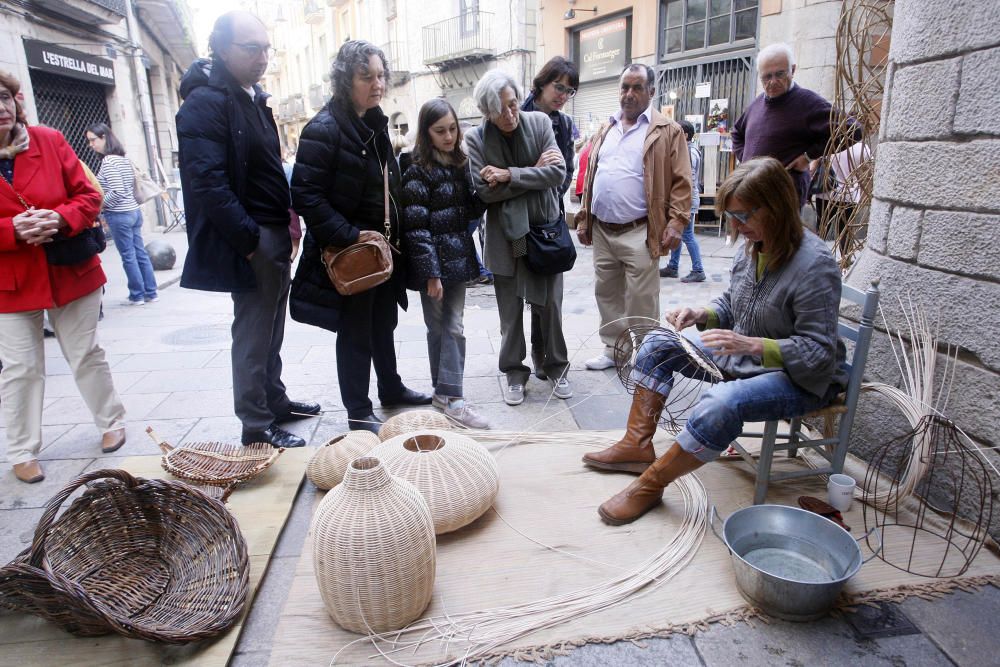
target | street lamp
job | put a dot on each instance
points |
(571, 13)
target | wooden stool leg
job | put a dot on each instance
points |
(764, 462)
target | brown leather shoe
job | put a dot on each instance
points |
(113, 440)
(29, 472)
(634, 452)
(646, 492)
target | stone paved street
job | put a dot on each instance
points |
(171, 364)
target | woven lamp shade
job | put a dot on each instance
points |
(456, 475)
(327, 466)
(374, 550)
(413, 420)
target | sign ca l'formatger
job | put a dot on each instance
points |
(603, 50)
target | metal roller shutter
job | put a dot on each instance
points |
(69, 106)
(593, 104)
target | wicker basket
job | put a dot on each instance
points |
(456, 475)
(374, 550)
(147, 558)
(414, 420)
(327, 466)
(216, 463)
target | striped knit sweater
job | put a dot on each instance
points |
(118, 182)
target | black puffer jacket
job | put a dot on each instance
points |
(337, 190)
(440, 205)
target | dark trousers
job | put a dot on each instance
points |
(365, 339)
(258, 331)
(555, 360)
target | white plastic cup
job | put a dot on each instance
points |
(840, 491)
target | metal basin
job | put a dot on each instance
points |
(789, 562)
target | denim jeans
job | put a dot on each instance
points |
(446, 339)
(717, 417)
(691, 242)
(126, 229)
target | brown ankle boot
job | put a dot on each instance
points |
(29, 472)
(634, 452)
(646, 492)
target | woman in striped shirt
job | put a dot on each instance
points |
(121, 210)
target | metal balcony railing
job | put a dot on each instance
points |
(292, 108)
(318, 96)
(465, 37)
(399, 68)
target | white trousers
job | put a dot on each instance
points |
(22, 380)
(626, 282)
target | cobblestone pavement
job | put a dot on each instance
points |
(171, 364)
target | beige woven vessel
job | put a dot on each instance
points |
(412, 421)
(456, 475)
(374, 550)
(327, 466)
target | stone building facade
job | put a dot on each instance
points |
(934, 228)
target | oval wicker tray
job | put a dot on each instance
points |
(216, 463)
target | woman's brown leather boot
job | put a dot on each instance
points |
(634, 452)
(646, 492)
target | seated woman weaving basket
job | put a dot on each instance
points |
(773, 334)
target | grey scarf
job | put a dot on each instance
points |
(503, 152)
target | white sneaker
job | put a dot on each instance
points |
(599, 363)
(439, 402)
(514, 394)
(129, 302)
(462, 411)
(562, 389)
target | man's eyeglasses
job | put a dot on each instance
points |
(563, 90)
(742, 217)
(254, 50)
(780, 74)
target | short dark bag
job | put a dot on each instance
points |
(67, 250)
(550, 248)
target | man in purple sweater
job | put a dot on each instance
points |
(787, 122)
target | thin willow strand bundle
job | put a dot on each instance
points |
(483, 632)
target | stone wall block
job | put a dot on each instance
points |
(924, 29)
(967, 310)
(904, 233)
(961, 242)
(923, 100)
(878, 225)
(939, 174)
(977, 111)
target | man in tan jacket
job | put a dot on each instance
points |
(636, 205)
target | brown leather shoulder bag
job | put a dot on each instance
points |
(365, 264)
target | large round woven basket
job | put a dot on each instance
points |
(413, 420)
(374, 550)
(456, 475)
(147, 558)
(327, 466)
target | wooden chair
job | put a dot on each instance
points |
(832, 446)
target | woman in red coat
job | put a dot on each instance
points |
(45, 197)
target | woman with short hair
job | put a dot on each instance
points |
(773, 334)
(344, 159)
(517, 170)
(46, 204)
(123, 214)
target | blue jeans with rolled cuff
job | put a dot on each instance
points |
(126, 230)
(717, 417)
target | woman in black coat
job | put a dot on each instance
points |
(440, 205)
(337, 188)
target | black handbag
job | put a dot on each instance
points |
(67, 250)
(550, 248)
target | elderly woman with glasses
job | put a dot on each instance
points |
(517, 169)
(773, 334)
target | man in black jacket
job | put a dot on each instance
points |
(237, 203)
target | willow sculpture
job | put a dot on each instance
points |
(862, 59)
(692, 369)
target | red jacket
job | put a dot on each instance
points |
(47, 175)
